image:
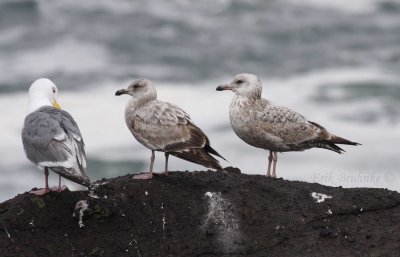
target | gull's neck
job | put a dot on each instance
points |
(134, 105)
(141, 101)
(37, 102)
(241, 100)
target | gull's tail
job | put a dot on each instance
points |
(201, 156)
(329, 141)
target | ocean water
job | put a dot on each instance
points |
(336, 62)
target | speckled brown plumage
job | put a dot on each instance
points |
(162, 126)
(262, 124)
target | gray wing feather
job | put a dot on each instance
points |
(71, 128)
(41, 136)
(52, 136)
(70, 125)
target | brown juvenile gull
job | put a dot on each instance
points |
(162, 126)
(262, 124)
(51, 137)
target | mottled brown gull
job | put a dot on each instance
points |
(162, 126)
(262, 124)
(51, 137)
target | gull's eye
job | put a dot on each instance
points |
(54, 90)
(133, 87)
(239, 81)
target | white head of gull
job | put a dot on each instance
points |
(162, 126)
(262, 124)
(43, 92)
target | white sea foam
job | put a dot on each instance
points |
(117, 6)
(159, 8)
(66, 55)
(11, 35)
(355, 6)
(170, 10)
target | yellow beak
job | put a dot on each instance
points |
(56, 105)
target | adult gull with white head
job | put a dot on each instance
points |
(51, 137)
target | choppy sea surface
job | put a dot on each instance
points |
(337, 62)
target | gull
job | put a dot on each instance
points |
(264, 125)
(162, 126)
(51, 138)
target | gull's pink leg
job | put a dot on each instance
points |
(270, 157)
(166, 165)
(59, 188)
(46, 189)
(275, 160)
(150, 174)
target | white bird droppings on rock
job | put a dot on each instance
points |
(164, 221)
(209, 194)
(82, 206)
(319, 197)
(5, 229)
(223, 220)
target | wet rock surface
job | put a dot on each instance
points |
(203, 214)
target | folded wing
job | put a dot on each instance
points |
(295, 131)
(52, 139)
(166, 127)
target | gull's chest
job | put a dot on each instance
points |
(241, 115)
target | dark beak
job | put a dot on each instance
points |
(121, 92)
(224, 87)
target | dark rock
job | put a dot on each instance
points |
(232, 170)
(327, 232)
(202, 214)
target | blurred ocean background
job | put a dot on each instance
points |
(337, 62)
